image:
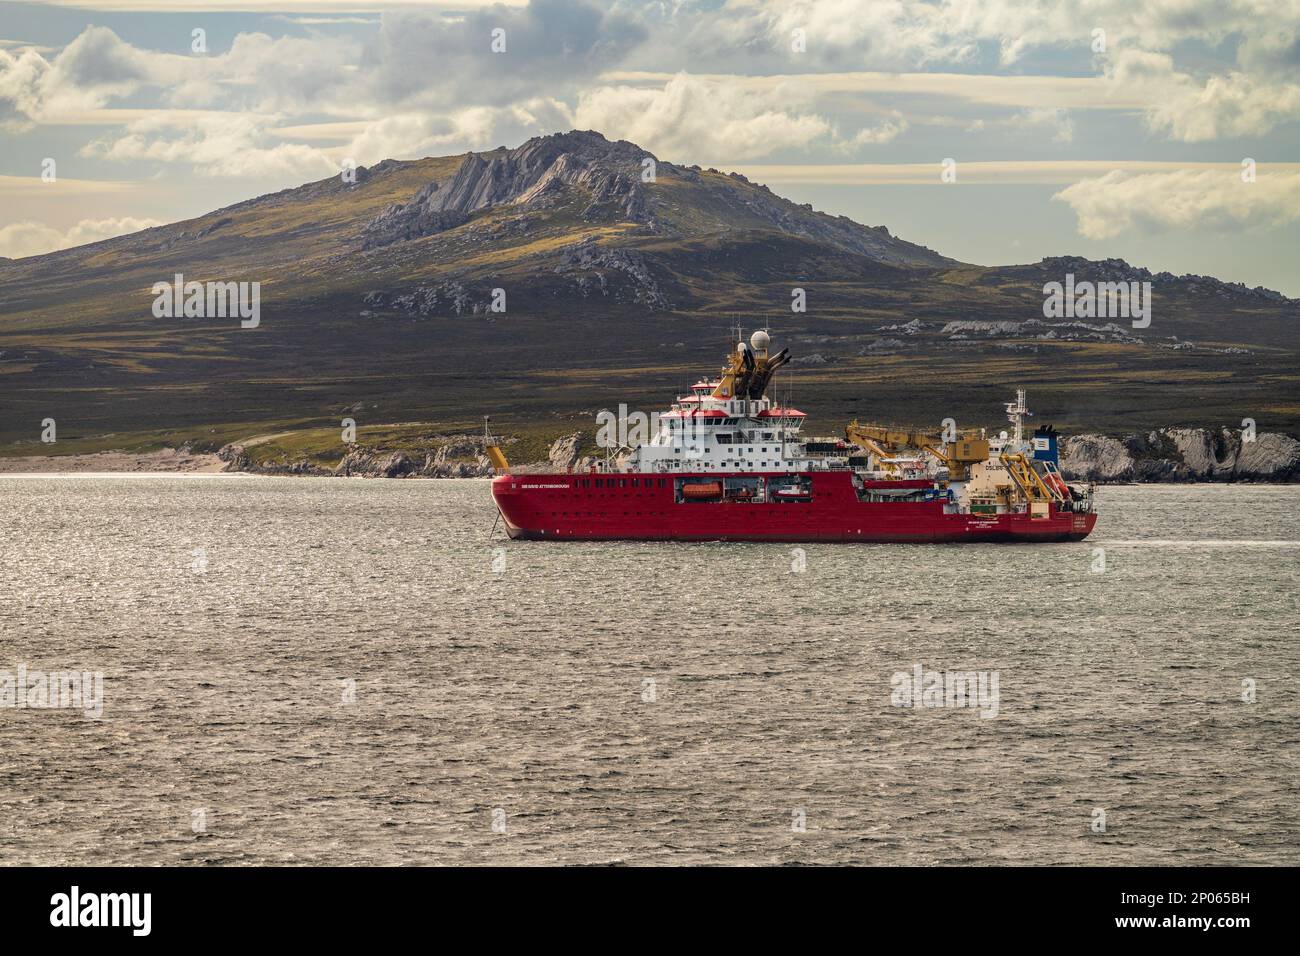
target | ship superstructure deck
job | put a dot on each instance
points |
(727, 463)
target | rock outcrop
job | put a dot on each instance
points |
(539, 174)
(608, 180)
(1180, 455)
(401, 221)
(620, 273)
(459, 458)
(1055, 268)
(235, 457)
(565, 451)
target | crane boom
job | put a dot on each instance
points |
(966, 449)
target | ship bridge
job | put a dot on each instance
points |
(729, 424)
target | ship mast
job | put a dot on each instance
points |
(1015, 414)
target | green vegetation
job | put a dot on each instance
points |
(78, 342)
(323, 447)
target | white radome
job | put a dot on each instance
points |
(759, 340)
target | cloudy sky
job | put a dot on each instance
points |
(1096, 127)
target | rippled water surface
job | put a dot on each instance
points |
(647, 703)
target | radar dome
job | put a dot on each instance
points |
(759, 340)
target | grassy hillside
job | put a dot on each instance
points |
(604, 306)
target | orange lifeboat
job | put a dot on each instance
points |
(699, 490)
(1056, 484)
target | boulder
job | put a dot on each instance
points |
(565, 451)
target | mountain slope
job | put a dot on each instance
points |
(435, 216)
(618, 286)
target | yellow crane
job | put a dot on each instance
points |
(1028, 480)
(493, 450)
(882, 455)
(965, 450)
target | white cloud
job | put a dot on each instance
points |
(15, 187)
(408, 135)
(261, 6)
(218, 145)
(425, 82)
(1204, 200)
(93, 69)
(21, 45)
(1217, 99)
(326, 21)
(257, 73)
(29, 238)
(892, 33)
(920, 32)
(698, 120)
(1028, 92)
(1224, 105)
(1040, 172)
(884, 132)
(1055, 121)
(438, 66)
(270, 74)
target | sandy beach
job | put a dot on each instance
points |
(165, 460)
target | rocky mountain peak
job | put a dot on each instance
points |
(538, 173)
(606, 177)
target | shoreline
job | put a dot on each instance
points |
(1169, 456)
(167, 461)
(174, 462)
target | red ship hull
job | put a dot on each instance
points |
(646, 507)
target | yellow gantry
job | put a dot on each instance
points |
(727, 384)
(493, 450)
(498, 459)
(1028, 480)
(958, 455)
